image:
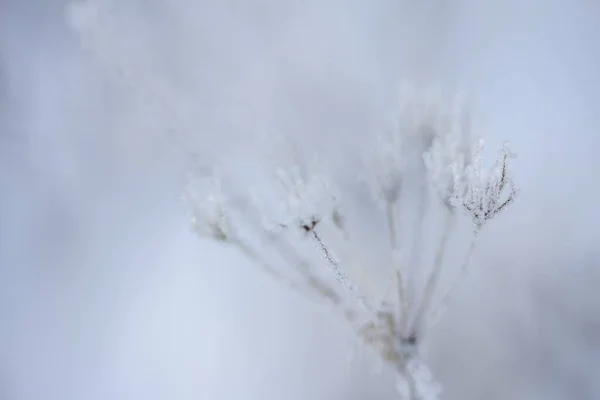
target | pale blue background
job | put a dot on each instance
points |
(104, 293)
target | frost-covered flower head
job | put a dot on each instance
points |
(304, 200)
(429, 113)
(207, 207)
(389, 167)
(449, 146)
(483, 194)
(429, 131)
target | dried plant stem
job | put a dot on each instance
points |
(394, 243)
(392, 230)
(356, 261)
(298, 287)
(433, 279)
(340, 275)
(417, 245)
(463, 271)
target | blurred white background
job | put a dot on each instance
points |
(106, 294)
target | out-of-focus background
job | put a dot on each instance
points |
(106, 294)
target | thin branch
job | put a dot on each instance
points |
(503, 176)
(355, 260)
(309, 282)
(339, 274)
(463, 272)
(393, 239)
(433, 279)
(418, 232)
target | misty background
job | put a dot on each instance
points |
(105, 293)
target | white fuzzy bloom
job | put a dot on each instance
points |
(304, 200)
(441, 131)
(447, 158)
(427, 114)
(445, 166)
(389, 164)
(412, 124)
(420, 116)
(427, 129)
(207, 208)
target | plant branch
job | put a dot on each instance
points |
(463, 271)
(433, 279)
(298, 287)
(340, 275)
(393, 238)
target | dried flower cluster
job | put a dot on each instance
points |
(431, 141)
(429, 153)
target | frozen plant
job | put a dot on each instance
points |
(431, 152)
